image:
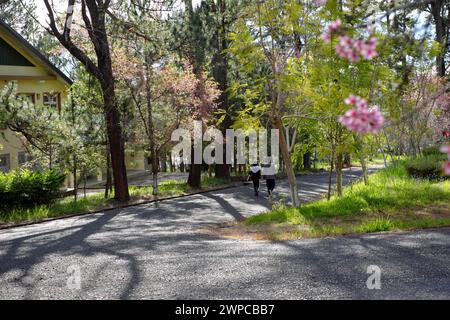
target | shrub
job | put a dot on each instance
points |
(25, 188)
(426, 167)
(431, 151)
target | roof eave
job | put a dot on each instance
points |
(36, 53)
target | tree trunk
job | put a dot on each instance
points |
(75, 161)
(347, 160)
(220, 74)
(384, 157)
(95, 21)
(108, 172)
(164, 163)
(50, 157)
(195, 173)
(330, 175)
(339, 162)
(155, 182)
(155, 170)
(171, 164)
(436, 9)
(307, 160)
(75, 182)
(380, 144)
(116, 144)
(364, 170)
(195, 176)
(154, 156)
(84, 181)
(315, 158)
(277, 124)
(210, 170)
(391, 150)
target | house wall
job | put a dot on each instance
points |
(32, 77)
(12, 142)
(11, 145)
(37, 80)
(39, 87)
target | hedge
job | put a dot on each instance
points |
(431, 151)
(429, 167)
(26, 188)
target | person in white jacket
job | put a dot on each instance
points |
(255, 176)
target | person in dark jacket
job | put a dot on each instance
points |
(269, 176)
(255, 175)
(270, 182)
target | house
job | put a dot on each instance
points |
(36, 78)
(44, 84)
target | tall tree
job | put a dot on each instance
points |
(275, 31)
(93, 14)
(26, 25)
(440, 11)
(188, 29)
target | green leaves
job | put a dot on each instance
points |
(25, 188)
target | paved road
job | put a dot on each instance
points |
(154, 252)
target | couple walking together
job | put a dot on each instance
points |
(255, 175)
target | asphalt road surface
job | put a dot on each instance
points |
(155, 252)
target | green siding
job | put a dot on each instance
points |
(10, 57)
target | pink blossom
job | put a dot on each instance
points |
(362, 103)
(353, 50)
(361, 118)
(332, 28)
(367, 49)
(320, 2)
(346, 48)
(446, 168)
(445, 149)
(352, 100)
(335, 26)
(349, 48)
(326, 37)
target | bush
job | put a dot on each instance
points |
(429, 167)
(25, 188)
(431, 151)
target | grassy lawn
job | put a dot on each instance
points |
(375, 160)
(391, 201)
(96, 202)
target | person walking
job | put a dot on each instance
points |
(269, 175)
(270, 182)
(255, 175)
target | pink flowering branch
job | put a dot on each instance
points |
(350, 48)
(361, 118)
(446, 166)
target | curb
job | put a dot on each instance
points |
(23, 224)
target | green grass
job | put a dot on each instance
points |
(389, 202)
(95, 202)
(376, 225)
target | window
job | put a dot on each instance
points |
(23, 157)
(29, 96)
(5, 162)
(51, 100)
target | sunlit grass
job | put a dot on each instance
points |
(376, 225)
(384, 205)
(96, 202)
